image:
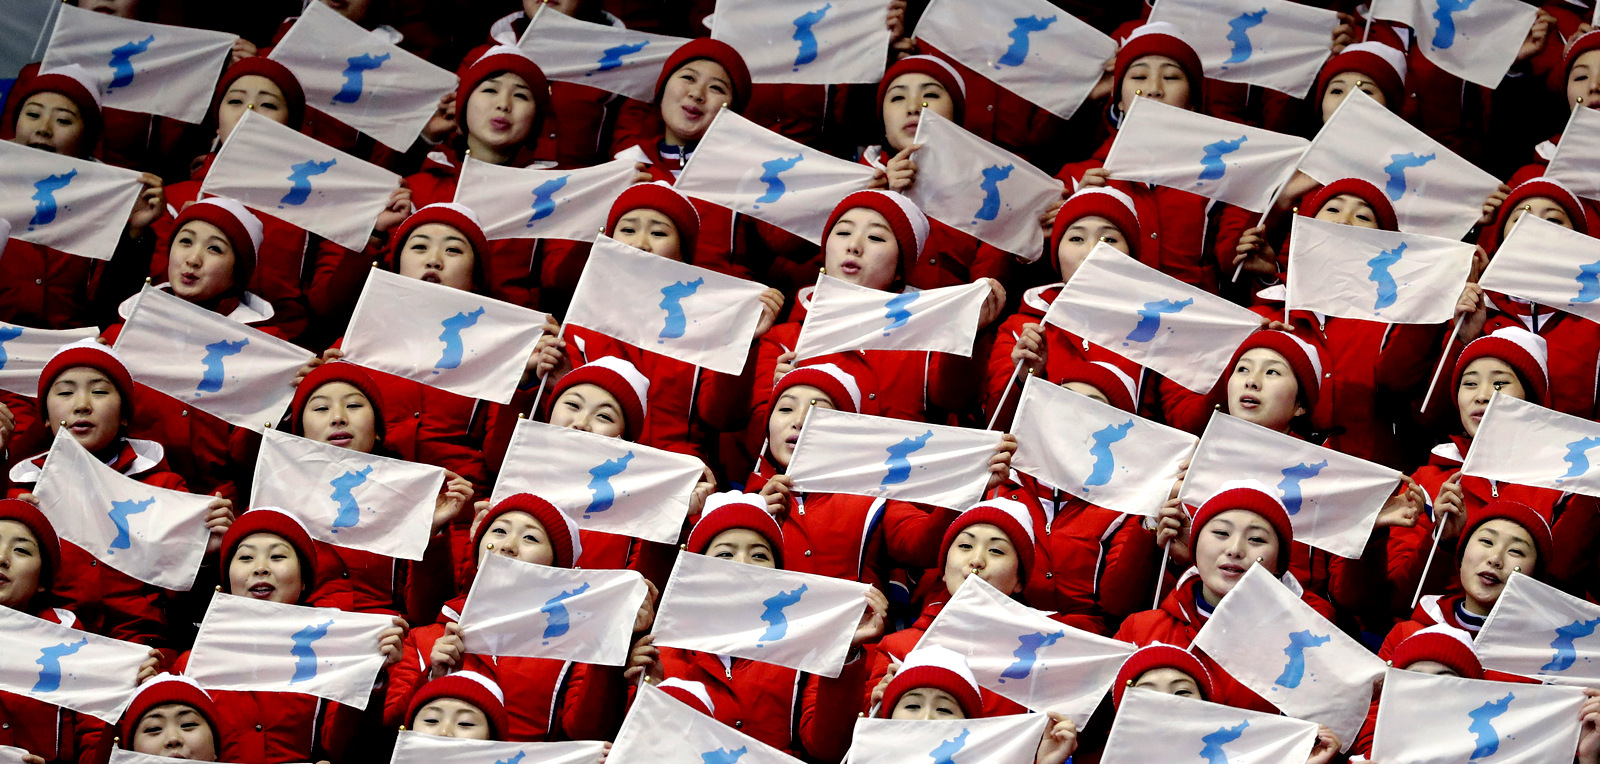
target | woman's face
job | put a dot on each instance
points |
(903, 103)
(1170, 681)
(691, 99)
(266, 567)
(743, 545)
(1230, 543)
(783, 424)
(448, 717)
(200, 262)
(651, 231)
(1434, 668)
(84, 400)
(564, 7)
(500, 113)
(176, 731)
(1541, 207)
(1495, 550)
(438, 254)
(1345, 83)
(1157, 77)
(51, 122)
(861, 249)
(519, 536)
(589, 408)
(926, 703)
(21, 564)
(1583, 81)
(339, 414)
(251, 92)
(1479, 382)
(1262, 389)
(355, 10)
(1348, 209)
(122, 9)
(985, 551)
(1086, 389)
(1081, 238)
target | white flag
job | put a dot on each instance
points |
(1276, 44)
(1373, 275)
(259, 646)
(1323, 675)
(155, 535)
(348, 498)
(518, 203)
(846, 317)
(1186, 334)
(150, 68)
(1029, 47)
(840, 452)
(999, 740)
(1528, 444)
(613, 59)
(360, 78)
(799, 620)
(1153, 726)
(240, 374)
(66, 667)
(1540, 631)
(1333, 499)
(810, 42)
(422, 748)
(750, 169)
(537, 611)
(278, 171)
(10, 754)
(1476, 40)
(1427, 719)
(441, 336)
(25, 350)
(1096, 451)
(1571, 166)
(1023, 654)
(1215, 158)
(120, 755)
(977, 187)
(1549, 264)
(604, 484)
(662, 730)
(682, 311)
(1434, 191)
(75, 205)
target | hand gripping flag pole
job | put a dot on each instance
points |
(544, 378)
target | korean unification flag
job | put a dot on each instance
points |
(1029, 47)
(519, 203)
(1276, 44)
(518, 608)
(1571, 165)
(679, 310)
(840, 452)
(800, 620)
(614, 59)
(68, 667)
(1476, 40)
(153, 534)
(1540, 631)
(1096, 451)
(74, 205)
(1549, 264)
(151, 68)
(441, 336)
(25, 350)
(1434, 191)
(279, 171)
(1372, 275)
(1185, 334)
(1528, 444)
(846, 317)
(752, 170)
(361, 79)
(997, 740)
(242, 375)
(1427, 719)
(663, 730)
(975, 186)
(259, 646)
(1332, 498)
(1277, 645)
(808, 42)
(422, 748)
(1215, 158)
(347, 498)
(604, 484)
(1154, 726)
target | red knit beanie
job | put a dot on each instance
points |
(1011, 517)
(49, 544)
(840, 386)
(1537, 526)
(72, 81)
(558, 527)
(1250, 496)
(102, 358)
(731, 510)
(1441, 644)
(468, 687)
(1160, 38)
(619, 378)
(934, 67)
(1525, 352)
(666, 200)
(1363, 190)
(1532, 186)
(167, 689)
(1100, 201)
(906, 220)
(457, 216)
(283, 525)
(939, 668)
(494, 61)
(240, 225)
(1382, 64)
(1112, 382)
(1160, 656)
(336, 371)
(294, 97)
(705, 48)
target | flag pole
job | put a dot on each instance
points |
(1000, 404)
(1263, 221)
(1437, 530)
(543, 379)
(1443, 357)
(1161, 572)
